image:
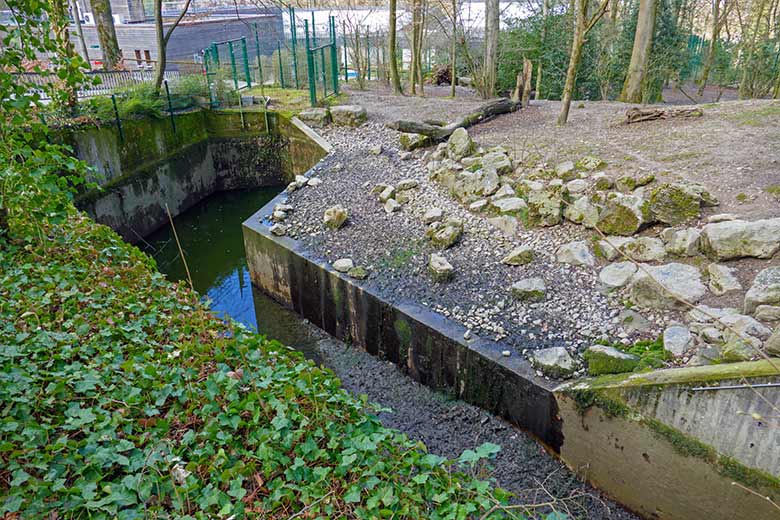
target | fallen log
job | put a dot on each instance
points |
(440, 133)
(639, 115)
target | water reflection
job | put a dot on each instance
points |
(212, 241)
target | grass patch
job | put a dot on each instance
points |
(758, 116)
(773, 190)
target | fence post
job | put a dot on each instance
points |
(344, 37)
(310, 66)
(118, 121)
(215, 52)
(294, 35)
(170, 106)
(334, 66)
(246, 62)
(260, 79)
(281, 69)
(368, 53)
(233, 64)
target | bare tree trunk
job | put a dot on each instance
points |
(79, 30)
(582, 26)
(413, 65)
(545, 10)
(163, 38)
(516, 93)
(59, 18)
(745, 84)
(527, 80)
(581, 6)
(491, 48)
(716, 24)
(395, 79)
(640, 54)
(104, 22)
(454, 49)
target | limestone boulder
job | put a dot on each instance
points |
(411, 141)
(675, 203)
(576, 253)
(773, 343)
(459, 144)
(604, 359)
(768, 312)
(433, 215)
(445, 235)
(545, 205)
(348, 115)
(644, 249)
(529, 289)
(519, 256)
(661, 287)
(335, 216)
(677, 340)
(439, 268)
(510, 206)
(765, 290)
(681, 242)
(590, 163)
(343, 265)
(722, 279)
(623, 215)
(740, 238)
(497, 161)
(739, 347)
(315, 117)
(554, 362)
(566, 171)
(610, 247)
(582, 211)
(617, 274)
(507, 224)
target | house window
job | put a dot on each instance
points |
(148, 57)
(138, 61)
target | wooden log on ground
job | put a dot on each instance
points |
(439, 133)
(639, 115)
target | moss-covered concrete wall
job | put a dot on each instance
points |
(149, 166)
(669, 449)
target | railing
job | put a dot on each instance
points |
(108, 80)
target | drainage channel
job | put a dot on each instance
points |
(211, 237)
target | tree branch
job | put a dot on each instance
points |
(176, 23)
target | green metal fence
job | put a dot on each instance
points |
(254, 61)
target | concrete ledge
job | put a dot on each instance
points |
(424, 344)
(666, 447)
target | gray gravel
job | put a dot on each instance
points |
(394, 249)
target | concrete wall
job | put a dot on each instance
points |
(670, 452)
(210, 151)
(425, 345)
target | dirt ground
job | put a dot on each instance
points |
(734, 149)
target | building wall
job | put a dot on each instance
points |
(188, 40)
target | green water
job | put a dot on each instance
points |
(213, 244)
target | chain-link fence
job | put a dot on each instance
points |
(288, 62)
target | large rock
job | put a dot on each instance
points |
(348, 115)
(623, 215)
(576, 253)
(498, 162)
(545, 205)
(744, 325)
(677, 340)
(768, 312)
(582, 211)
(445, 235)
(335, 216)
(773, 343)
(681, 242)
(722, 279)
(433, 215)
(459, 145)
(739, 347)
(439, 268)
(519, 256)
(554, 362)
(617, 274)
(644, 249)
(674, 203)
(529, 289)
(507, 224)
(510, 206)
(765, 290)
(603, 359)
(738, 239)
(343, 265)
(590, 163)
(410, 141)
(660, 287)
(611, 247)
(315, 117)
